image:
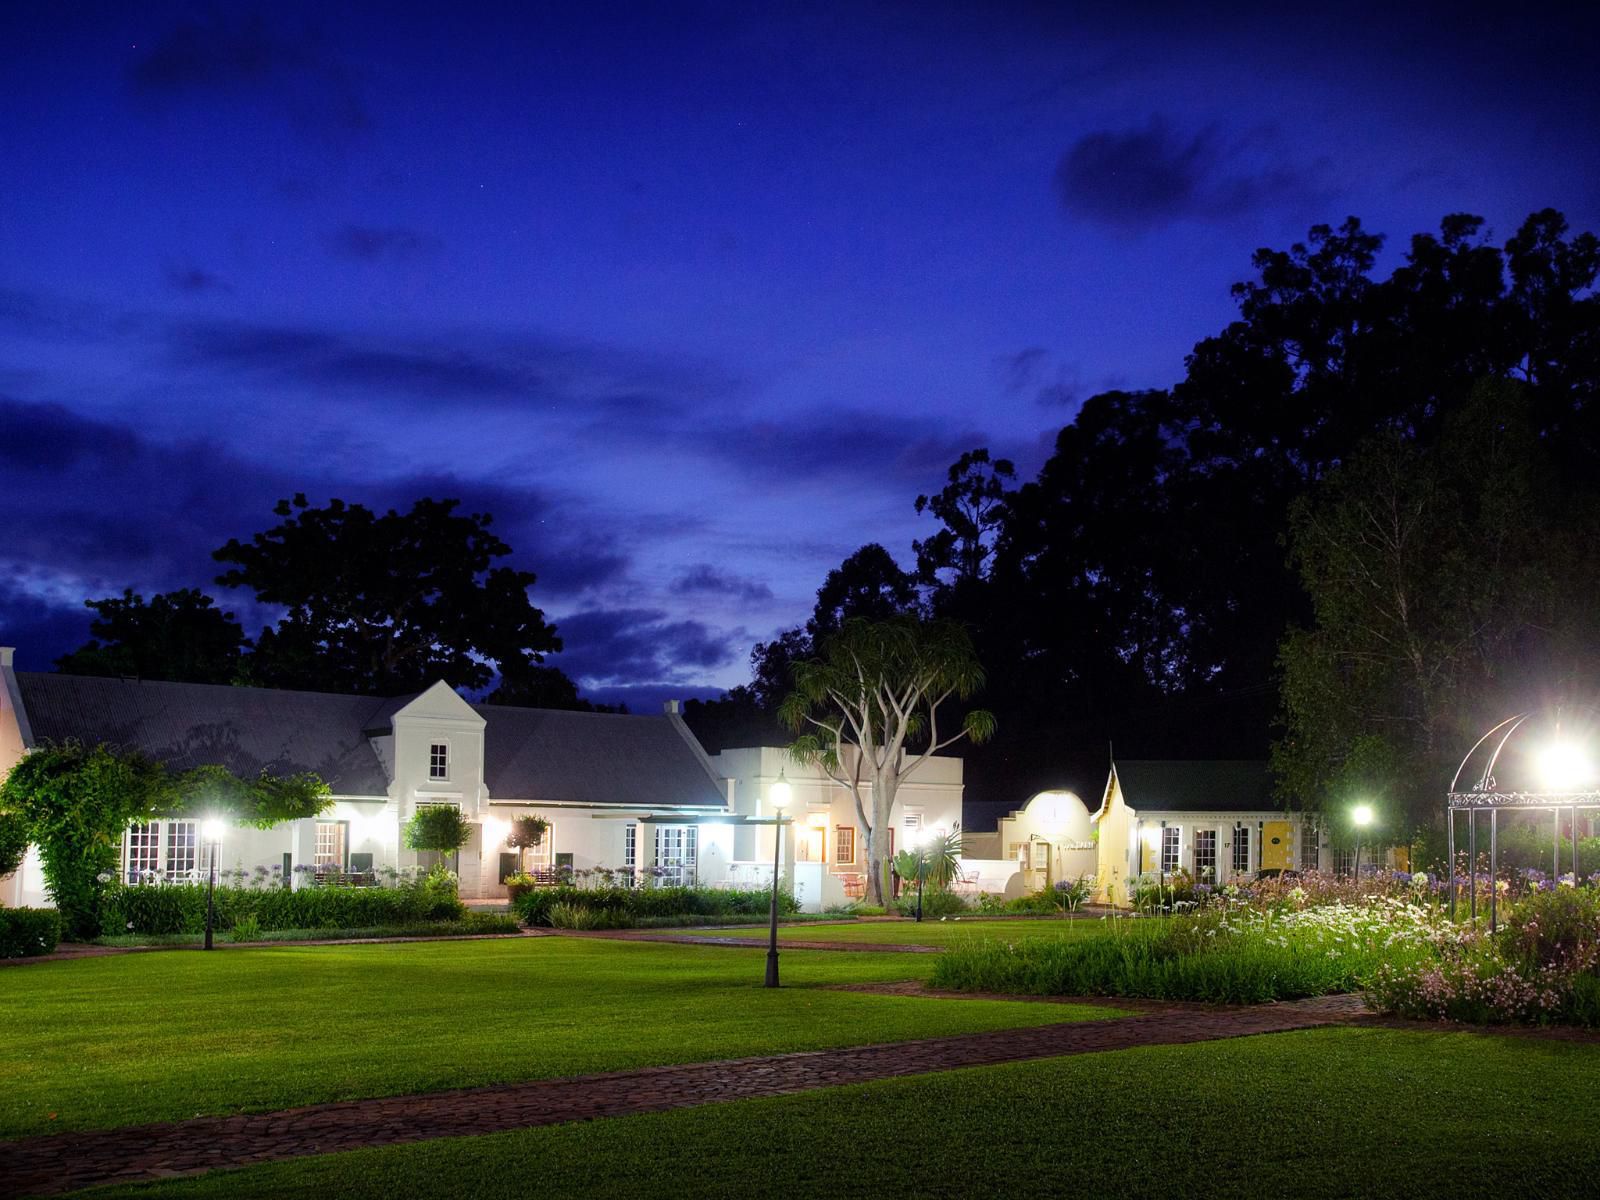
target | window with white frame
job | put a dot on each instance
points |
(439, 760)
(675, 854)
(844, 845)
(913, 826)
(1241, 848)
(1169, 849)
(141, 851)
(331, 845)
(163, 850)
(1310, 846)
(630, 849)
(183, 849)
(1205, 855)
(1344, 860)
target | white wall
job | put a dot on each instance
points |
(819, 807)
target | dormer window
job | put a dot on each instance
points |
(439, 760)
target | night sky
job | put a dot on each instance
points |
(695, 299)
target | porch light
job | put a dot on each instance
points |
(1566, 767)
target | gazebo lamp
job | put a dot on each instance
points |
(1565, 766)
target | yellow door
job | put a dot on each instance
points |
(1275, 842)
(1402, 858)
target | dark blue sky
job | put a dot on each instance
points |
(694, 298)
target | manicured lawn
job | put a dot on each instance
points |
(1325, 1113)
(174, 1034)
(932, 932)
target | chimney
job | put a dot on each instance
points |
(7, 655)
(670, 708)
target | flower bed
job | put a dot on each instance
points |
(1225, 954)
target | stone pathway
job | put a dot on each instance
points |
(58, 1163)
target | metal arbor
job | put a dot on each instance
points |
(1485, 794)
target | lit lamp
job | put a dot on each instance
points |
(211, 832)
(1360, 817)
(1565, 767)
(778, 795)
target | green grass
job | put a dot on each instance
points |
(167, 1035)
(1324, 1113)
(932, 932)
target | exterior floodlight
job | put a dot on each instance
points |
(211, 828)
(1361, 814)
(1152, 836)
(780, 793)
(1565, 767)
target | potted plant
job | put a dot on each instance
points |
(526, 832)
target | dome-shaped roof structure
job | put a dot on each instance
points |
(1534, 759)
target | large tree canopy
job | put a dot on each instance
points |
(868, 711)
(1138, 589)
(1450, 584)
(387, 603)
(179, 635)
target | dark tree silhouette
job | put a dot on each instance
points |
(386, 603)
(180, 636)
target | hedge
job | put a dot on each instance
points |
(649, 902)
(25, 932)
(181, 907)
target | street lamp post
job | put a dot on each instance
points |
(1361, 815)
(211, 831)
(778, 795)
(922, 869)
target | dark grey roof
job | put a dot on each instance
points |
(594, 758)
(1187, 785)
(191, 724)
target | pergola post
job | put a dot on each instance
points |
(1494, 867)
(1450, 853)
(1472, 864)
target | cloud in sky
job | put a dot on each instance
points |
(366, 243)
(1149, 176)
(607, 647)
(231, 52)
(703, 578)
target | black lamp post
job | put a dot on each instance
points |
(778, 795)
(211, 831)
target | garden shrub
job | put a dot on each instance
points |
(534, 906)
(26, 932)
(181, 907)
(245, 929)
(936, 902)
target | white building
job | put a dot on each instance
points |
(628, 792)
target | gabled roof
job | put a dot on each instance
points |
(184, 725)
(530, 754)
(1189, 785)
(542, 754)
